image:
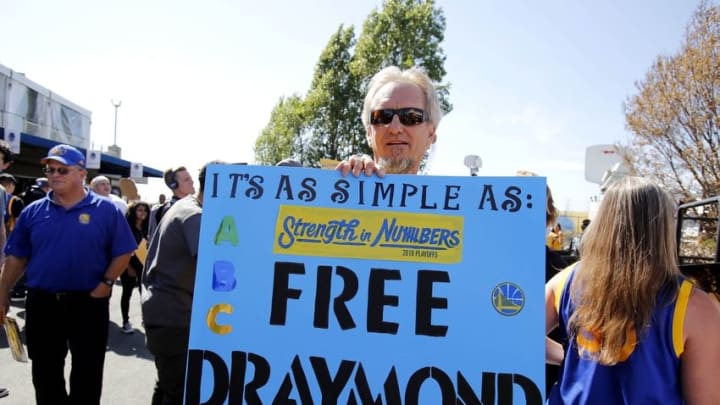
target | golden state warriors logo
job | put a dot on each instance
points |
(589, 342)
(508, 299)
(58, 150)
(84, 219)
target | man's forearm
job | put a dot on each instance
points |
(117, 266)
(12, 269)
(3, 239)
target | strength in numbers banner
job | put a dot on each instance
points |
(317, 288)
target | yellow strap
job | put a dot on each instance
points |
(560, 286)
(679, 317)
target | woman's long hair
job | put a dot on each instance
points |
(132, 217)
(629, 259)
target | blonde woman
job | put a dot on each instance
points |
(637, 331)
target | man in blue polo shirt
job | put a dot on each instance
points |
(72, 245)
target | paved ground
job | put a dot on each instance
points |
(129, 369)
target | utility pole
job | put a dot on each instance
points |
(116, 104)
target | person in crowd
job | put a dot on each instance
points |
(6, 156)
(161, 199)
(169, 281)
(137, 217)
(13, 207)
(7, 189)
(102, 186)
(116, 191)
(72, 245)
(14, 204)
(575, 248)
(554, 262)
(181, 183)
(555, 237)
(289, 162)
(6, 159)
(36, 191)
(401, 113)
(637, 331)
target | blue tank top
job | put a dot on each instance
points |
(651, 373)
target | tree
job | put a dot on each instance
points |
(332, 103)
(674, 117)
(280, 138)
(405, 33)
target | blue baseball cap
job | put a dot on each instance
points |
(65, 154)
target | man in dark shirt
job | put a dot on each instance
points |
(169, 282)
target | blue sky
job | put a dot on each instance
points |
(533, 83)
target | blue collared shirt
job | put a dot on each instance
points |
(69, 249)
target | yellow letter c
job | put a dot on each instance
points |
(212, 315)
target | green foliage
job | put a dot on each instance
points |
(280, 138)
(675, 119)
(405, 33)
(332, 103)
(326, 122)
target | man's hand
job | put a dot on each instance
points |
(102, 290)
(116, 267)
(360, 163)
(12, 269)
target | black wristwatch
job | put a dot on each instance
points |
(108, 281)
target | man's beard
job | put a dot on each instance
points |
(396, 165)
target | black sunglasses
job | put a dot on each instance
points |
(408, 116)
(61, 170)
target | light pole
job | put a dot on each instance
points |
(116, 104)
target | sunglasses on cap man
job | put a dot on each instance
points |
(62, 170)
(408, 116)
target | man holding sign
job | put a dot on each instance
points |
(317, 288)
(169, 281)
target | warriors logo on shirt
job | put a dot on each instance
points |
(84, 219)
(589, 342)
